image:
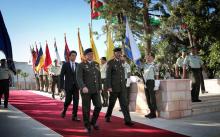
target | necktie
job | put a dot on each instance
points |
(73, 66)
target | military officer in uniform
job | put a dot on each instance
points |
(55, 72)
(5, 74)
(103, 67)
(179, 64)
(150, 74)
(194, 63)
(115, 82)
(89, 81)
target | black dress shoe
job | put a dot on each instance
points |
(107, 119)
(148, 115)
(76, 119)
(203, 91)
(198, 100)
(53, 96)
(88, 130)
(5, 106)
(95, 126)
(63, 114)
(129, 124)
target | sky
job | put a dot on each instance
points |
(30, 21)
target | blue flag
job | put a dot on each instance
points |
(131, 49)
(5, 44)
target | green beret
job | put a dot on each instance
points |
(87, 51)
(116, 49)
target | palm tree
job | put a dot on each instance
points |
(18, 72)
(24, 75)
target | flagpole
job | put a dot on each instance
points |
(91, 13)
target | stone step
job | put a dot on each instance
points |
(210, 103)
(206, 103)
(210, 97)
(196, 111)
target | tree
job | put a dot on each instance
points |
(24, 75)
(138, 12)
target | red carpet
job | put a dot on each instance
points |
(47, 111)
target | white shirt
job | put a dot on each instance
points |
(55, 70)
(103, 69)
(73, 65)
(127, 69)
(4, 73)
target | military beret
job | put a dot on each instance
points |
(87, 51)
(3, 60)
(116, 49)
(103, 58)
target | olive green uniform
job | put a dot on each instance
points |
(116, 80)
(88, 75)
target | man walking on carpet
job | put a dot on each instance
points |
(115, 82)
(89, 81)
(68, 72)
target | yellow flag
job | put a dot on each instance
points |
(110, 46)
(96, 55)
(81, 50)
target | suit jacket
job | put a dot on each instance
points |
(69, 75)
(115, 76)
(88, 75)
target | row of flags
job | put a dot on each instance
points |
(131, 49)
(44, 61)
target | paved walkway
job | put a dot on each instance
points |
(14, 123)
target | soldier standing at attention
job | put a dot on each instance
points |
(195, 64)
(179, 64)
(5, 74)
(127, 68)
(115, 82)
(55, 72)
(41, 77)
(89, 81)
(150, 73)
(103, 67)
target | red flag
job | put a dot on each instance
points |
(66, 50)
(47, 61)
(95, 5)
(34, 57)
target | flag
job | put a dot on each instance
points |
(47, 61)
(5, 44)
(57, 54)
(36, 48)
(40, 60)
(95, 52)
(34, 57)
(81, 50)
(95, 6)
(110, 46)
(131, 49)
(66, 50)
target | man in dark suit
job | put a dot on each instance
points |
(116, 85)
(68, 72)
(89, 81)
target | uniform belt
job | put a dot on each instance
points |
(149, 79)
